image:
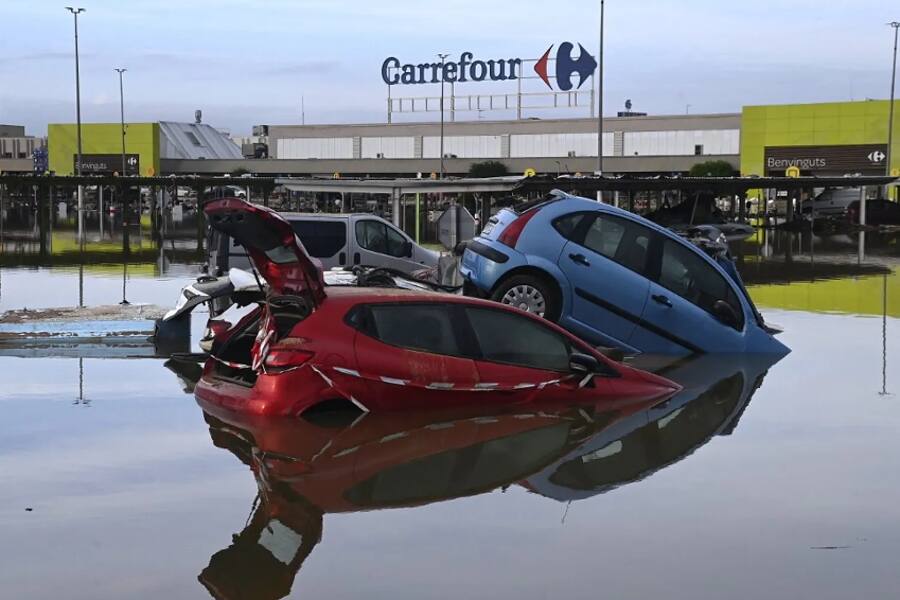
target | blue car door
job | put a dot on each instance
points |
(681, 314)
(605, 261)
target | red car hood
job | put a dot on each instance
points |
(274, 248)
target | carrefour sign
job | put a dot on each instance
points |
(468, 68)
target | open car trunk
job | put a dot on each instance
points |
(272, 245)
(295, 284)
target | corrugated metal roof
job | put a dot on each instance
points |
(195, 140)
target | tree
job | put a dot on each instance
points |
(488, 168)
(712, 168)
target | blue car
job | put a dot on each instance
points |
(614, 279)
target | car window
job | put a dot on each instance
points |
(377, 236)
(425, 327)
(372, 235)
(506, 337)
(323, 239)
(567, 224)
(692, 278)
(463, 470)
(620, 240)
(395, 242)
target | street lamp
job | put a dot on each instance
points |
(122, 114)
(120, 71)
(442, 56)
(75, 12)
(600, 90)
(896, 26)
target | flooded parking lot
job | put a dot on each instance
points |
(757, 480)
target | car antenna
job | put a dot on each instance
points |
(566, 513)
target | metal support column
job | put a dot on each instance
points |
(395, 206)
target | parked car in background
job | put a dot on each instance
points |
(831, 202)
(878, 212)
(336, 240)
(614, 278)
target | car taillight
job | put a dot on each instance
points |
(286, 358)
(510, 235)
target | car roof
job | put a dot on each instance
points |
(581, 203)
(301, 215)
(576, 203)
(353, 293)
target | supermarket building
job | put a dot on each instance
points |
(834, 138)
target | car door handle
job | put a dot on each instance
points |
(662, 300)
(580, 259)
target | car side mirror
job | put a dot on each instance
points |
(407, 248)
(725, 313)
(583, 363)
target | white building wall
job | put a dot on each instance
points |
(463, 146)
(558, 145)
(388, 147)
(18, 147)
(681, 143)
(315, 147)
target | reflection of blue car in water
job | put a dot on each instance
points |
(717, 389)
(614, 278)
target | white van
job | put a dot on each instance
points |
(337, 240)
(831, 201)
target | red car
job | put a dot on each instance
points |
(308, 346)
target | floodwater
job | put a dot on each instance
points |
(758, 481)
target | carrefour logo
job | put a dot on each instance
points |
(566, 66)
(468, 68)
(876, 157)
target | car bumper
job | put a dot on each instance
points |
(483, 264)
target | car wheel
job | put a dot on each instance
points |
(529, 293)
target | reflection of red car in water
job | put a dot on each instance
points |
(306, 469)
(387, 349)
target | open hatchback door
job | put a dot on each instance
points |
(273, 247)
(295, 284)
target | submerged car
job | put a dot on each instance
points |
(379, 349)
(878, 212)
(700, 210)
(614, 278)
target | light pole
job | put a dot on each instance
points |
(600, 90)
(896, 26)
(75, 12)
(442, 56)
(122, 114)
(120, 71)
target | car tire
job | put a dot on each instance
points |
(529, 293)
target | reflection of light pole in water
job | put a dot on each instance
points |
(884, 338)
(124, 302)
(80, 399)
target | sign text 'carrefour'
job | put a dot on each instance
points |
(468, 68)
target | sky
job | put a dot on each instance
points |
(246, 63)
